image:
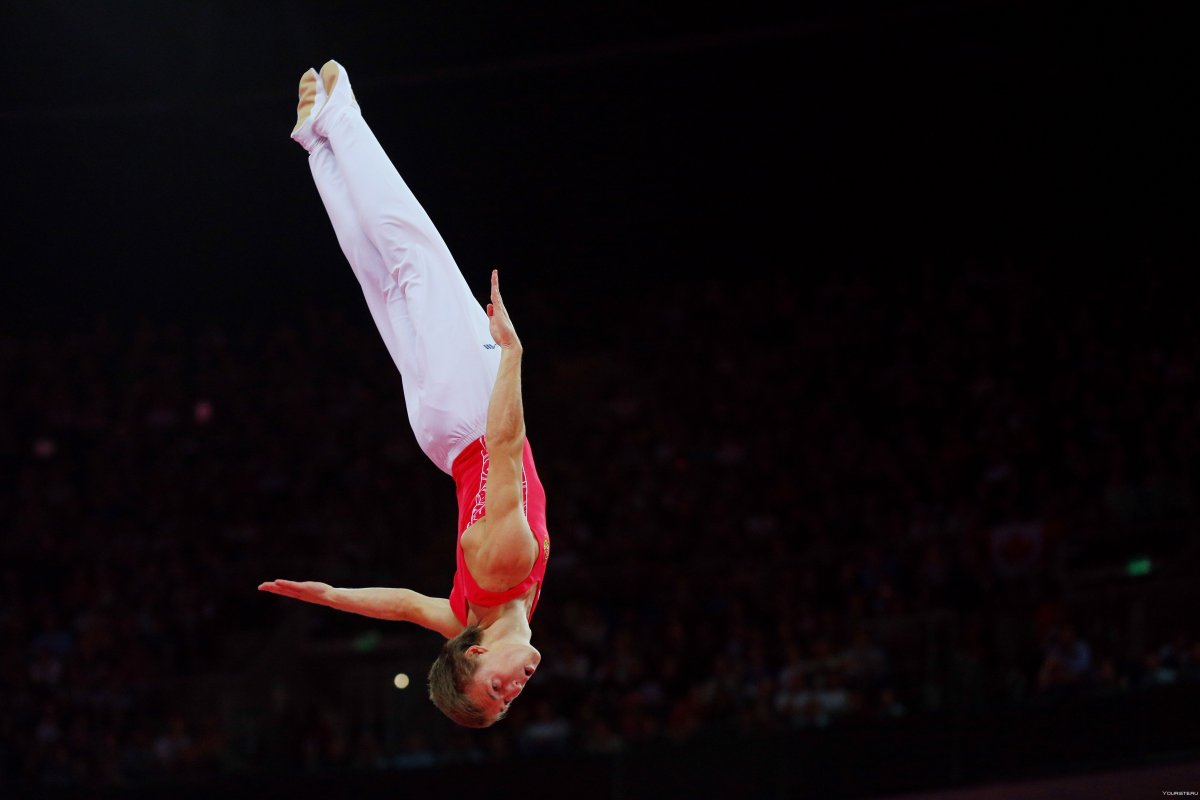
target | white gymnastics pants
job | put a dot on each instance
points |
(434, 328)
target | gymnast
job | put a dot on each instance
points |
(461, 371)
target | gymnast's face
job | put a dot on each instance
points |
(501, 673)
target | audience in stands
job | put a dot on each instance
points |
(815, 503)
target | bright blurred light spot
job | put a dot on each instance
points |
(202, 412)
(401, 681)
(44, 448)
(1139, 566)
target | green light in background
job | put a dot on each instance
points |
(1138, 567)
(367, 642)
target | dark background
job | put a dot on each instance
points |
(796, 285)
(588, 149)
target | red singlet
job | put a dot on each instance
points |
(470, 477)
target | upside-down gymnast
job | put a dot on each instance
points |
(461, 372)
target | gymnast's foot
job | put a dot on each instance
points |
(312, 99)
(308, 98)
(335, 84)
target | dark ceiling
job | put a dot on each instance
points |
(151, 171)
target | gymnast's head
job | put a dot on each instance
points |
(474, 684)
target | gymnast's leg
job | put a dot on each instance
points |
(438, 331)
(364, 259)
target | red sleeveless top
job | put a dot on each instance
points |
(470, 470)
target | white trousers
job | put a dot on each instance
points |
(434, 328)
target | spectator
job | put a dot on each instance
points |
(1067, 660)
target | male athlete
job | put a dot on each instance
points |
(461, 372)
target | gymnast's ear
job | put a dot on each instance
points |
(476, 650)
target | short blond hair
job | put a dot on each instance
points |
(450, 676)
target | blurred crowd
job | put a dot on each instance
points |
(790, 502)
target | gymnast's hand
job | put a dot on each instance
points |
(308, 591)
(498, 321)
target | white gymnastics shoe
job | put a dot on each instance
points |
(336, 85)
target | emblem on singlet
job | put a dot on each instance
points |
(480, 507)
(546, 548)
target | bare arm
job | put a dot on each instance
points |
(399, 605)
(506, 413)
(507, 549)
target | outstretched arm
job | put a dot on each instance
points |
(508, 548)
(400, 605)
(506, 413)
